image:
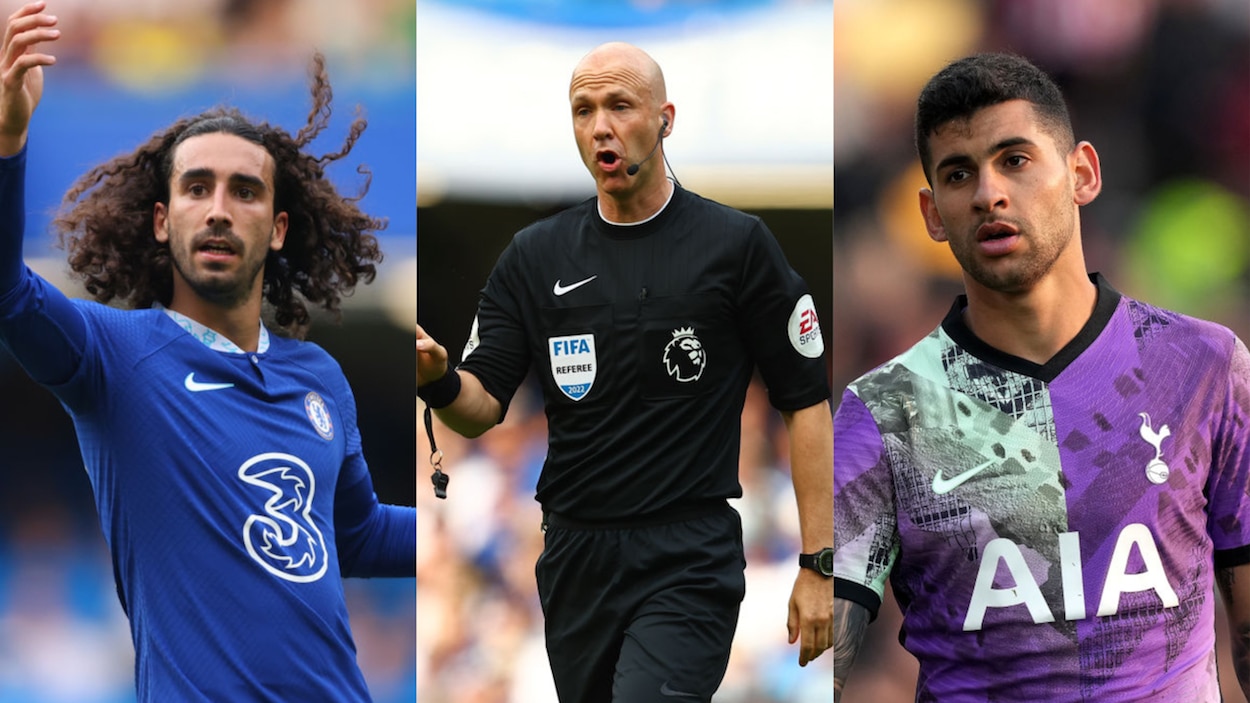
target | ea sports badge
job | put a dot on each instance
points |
(804, 329)
(319, 415)
(573, 364)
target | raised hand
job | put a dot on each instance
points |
(21, 71)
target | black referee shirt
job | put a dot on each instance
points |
(644, 338)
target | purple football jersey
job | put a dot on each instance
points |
(1051, 531)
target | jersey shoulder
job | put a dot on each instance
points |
(554, 231)
(725, 219)
(922, 359)
(309, 355)
(1157, 327)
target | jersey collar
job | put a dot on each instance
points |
(669, 199)
(214, 340)
(1104, 308)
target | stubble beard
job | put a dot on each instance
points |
(1022, 274)
(227, 291)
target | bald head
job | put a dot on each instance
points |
(621, 115)
(619, 62)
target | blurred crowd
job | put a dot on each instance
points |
(479, 634)
(1162, 90)
(158, 45)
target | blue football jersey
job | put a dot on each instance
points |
(231, 487)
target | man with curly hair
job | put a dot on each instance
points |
(226, 461)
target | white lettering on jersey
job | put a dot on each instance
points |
(1152, 578)
(804, 329)
(283, 538)
(573, 363)
(1073, 575)
(1025, 591)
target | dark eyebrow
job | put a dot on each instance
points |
(196, 174)
(958, 159)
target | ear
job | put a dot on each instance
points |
(159, 220)
(668, 113)
(278, 237)
(932, 219)
(1086, 173)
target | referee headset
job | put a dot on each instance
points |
(633, 168)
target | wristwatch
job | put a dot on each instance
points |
(821, 562)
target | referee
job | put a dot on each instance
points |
(643, 311)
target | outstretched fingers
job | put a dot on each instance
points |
(26, 29)
(21, 72)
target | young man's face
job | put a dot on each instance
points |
(220, 222)
(1005, 195)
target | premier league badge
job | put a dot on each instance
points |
(573, 364)
(684, 356)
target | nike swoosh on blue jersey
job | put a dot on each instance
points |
(195, 386)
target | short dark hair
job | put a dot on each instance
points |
(982, 80)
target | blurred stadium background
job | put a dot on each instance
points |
(752, 84)
(125, 69)
(1162, 90)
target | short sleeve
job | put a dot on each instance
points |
(865, 534)
(781, 325)
(1229, 487)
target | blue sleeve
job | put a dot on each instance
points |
(41, 327)
(12, 219)
(373, 539)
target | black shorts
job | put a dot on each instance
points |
(642, 612)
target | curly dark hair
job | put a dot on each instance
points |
(105, 220)
(979, 81)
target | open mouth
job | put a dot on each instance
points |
(216, 248)
(607, 158)
(995, 230)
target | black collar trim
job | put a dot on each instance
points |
(1104, 308)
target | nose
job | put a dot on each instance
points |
(991, 193)
(218, 211)
(602, 124)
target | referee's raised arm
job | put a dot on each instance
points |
(458, 397)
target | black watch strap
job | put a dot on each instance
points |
(821, 562)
